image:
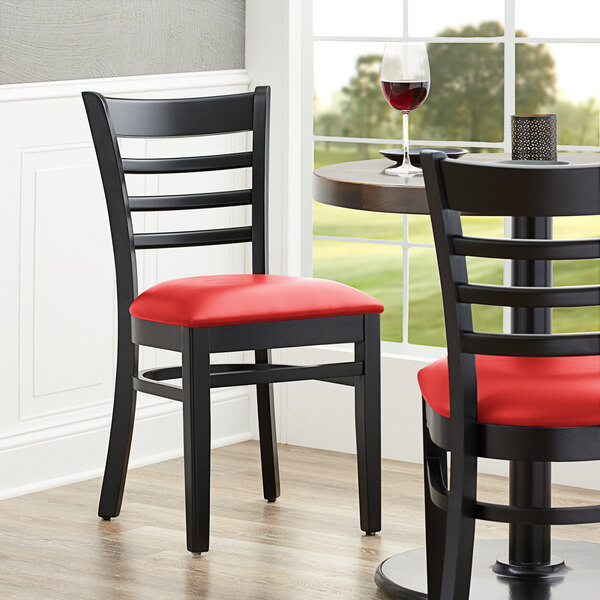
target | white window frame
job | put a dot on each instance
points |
(510, 42)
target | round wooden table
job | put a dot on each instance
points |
(362, 185)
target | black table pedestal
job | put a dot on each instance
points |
(530, 482)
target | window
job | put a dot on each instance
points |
(488, 60)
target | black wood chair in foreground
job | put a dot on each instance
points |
(200, 315)
(529, 397)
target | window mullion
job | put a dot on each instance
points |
(405, 267)
(442, 143)
(405, 224)
(427, 40)
(509, 69)
(509, 109)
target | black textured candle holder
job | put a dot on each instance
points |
(533, 137)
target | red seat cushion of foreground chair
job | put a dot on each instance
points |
(525, 391)
(216, 300)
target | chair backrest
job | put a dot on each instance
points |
(112, 118)
(493, 189)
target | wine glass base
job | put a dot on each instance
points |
(403, 170)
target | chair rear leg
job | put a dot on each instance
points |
(267, 433)
(196, 436)
(367, 394)
(121, 430)
(434, 457)
(460, 529)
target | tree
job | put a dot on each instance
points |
(466, 100)
(577, 123)
(535, 77)
(364, 111)
(329, 124)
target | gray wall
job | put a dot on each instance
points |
(49, 40)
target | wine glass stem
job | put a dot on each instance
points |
(406, 160)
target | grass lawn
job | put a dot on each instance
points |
(377, 268)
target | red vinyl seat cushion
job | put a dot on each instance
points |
(215, 300)
(525, 391)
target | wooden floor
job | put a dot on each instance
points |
(305, 546)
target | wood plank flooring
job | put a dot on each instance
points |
(307, 545)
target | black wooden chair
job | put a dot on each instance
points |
(517, 397)
(200, 315)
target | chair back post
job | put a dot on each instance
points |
(117, 202)
(260, 179)
(446, 225)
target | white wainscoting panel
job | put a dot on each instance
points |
(58, 303)
(63, 308)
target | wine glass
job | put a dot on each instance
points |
(405, 85)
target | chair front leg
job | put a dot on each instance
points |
(121, 429)
(267, 433)
(196, 436)
(367, 393)
(435, 518)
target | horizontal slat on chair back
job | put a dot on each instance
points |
(187, 164)
(527, 249)
(513, 344)
(522, 191)
(530, 297)
(191, 201)
(183, 239)
(182, 116)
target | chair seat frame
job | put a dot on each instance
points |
(505, 442)
(196, 345)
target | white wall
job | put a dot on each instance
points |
(58, 328)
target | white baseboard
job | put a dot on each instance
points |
(32, 461)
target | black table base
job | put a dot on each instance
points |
(404, 575)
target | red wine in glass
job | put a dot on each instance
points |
(404, 81)
(405, 95)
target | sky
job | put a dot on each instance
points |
(577, 80)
